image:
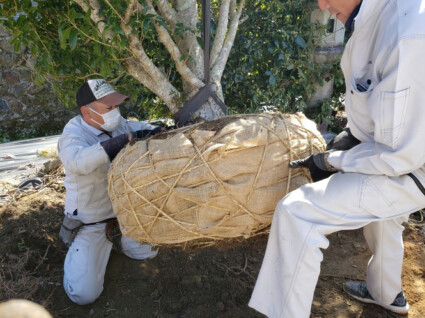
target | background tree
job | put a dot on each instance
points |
(272, 62)
(156, 42)
(152, 50)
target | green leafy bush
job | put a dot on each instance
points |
(271, 61)
(68, 49)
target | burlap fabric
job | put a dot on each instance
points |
(214, 180)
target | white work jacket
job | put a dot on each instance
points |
(384, 68)
(86, 167)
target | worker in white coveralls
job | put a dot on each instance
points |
(87, 146)
(377, 183)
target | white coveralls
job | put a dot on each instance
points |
(86, 166)
(386, 53)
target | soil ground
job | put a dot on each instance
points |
(214, 281)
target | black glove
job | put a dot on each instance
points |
(317, 164)
(113, 146)
(343, 141)
(145, 133)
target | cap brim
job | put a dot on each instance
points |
(113, 99)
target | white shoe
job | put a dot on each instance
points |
(137, 250)
(358, 290)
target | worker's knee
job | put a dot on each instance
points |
(284, 203)
(293, 205)
(282, 208)
(82, 293)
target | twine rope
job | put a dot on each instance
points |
(139, 164)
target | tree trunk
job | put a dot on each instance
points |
(185, 51)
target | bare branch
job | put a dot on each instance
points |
(221, 30)
(165, 38)
(218, 67)
(95, 15)
(232, 7)
(130, 10)
(128, 13)
(135, 47)
(167, 12)
(139, 53)
(187, 14)
(83, 4)
(115, 11)
(243, 19)
(164, 90)
(85, 34)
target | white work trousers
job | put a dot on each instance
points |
(345, 201)
(86, 260)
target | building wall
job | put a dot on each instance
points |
(26, 109)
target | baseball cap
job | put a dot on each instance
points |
(100, 90)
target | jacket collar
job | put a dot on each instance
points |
(368, 12)
(349, 24)
(93, 130)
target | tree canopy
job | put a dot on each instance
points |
(153, 50)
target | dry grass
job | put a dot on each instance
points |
(16, 280)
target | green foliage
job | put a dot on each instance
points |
(271, 61)
(22, 247)
(69, 48)
(4, 137)
(28, 134)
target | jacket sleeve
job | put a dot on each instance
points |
(78, 156)
(397, 109)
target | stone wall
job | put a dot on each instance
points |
(25, 108)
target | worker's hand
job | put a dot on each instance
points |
(145, 133)
(113, 146)
(317, 164)
(343, 141)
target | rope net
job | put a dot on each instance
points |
(210, 181)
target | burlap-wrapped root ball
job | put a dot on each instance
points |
(214, 180)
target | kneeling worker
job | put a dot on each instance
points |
(87, 146)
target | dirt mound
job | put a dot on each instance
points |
(214, 281)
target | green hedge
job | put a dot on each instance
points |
(271, 61)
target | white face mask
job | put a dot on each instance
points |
(111, 119)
